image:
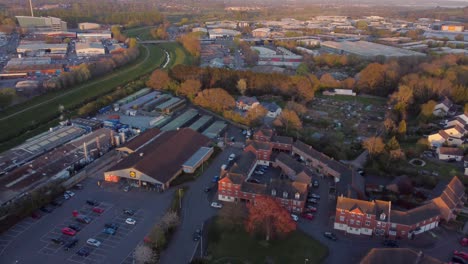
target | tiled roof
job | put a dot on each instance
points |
(164, 156)
(451, 151)
(234, 178)
(397, 255)
(282, 140)
(258, 145)
(291, 188)
(243, 164)
(415, 215)
(290, 162)
(250, 187)
(247, 100)
(267, 132)
(373, 207)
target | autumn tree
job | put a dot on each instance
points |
(241, 86)
(289, 120)
(402, 98)
(255, 115)
(328, 81)
(427, 109)
(389, 125)
(402, 127)
(268, 217)
(392, 144)
(191, 43)
(190, 88)
(296, 107)
(374, 145)
(215, 99)
(348, 83)
(158, 80)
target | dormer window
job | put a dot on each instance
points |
(285, 195)
(297, 196)
(273, 192)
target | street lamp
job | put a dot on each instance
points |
(306, 260)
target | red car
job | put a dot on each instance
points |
(308, 216)
(311, 209)
(464, 242)
(36, 215)
(98, 210)
(68, 231)
(461, 254)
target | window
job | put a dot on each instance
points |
(342, 211)
(368, 215)
(342, 218)
(393, 225)
(367, 223)
(351, 221)
(273, 192)
(358, 222)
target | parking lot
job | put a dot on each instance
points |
(34, 236)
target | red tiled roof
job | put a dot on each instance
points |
(451, 151)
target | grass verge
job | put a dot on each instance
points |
(238, 246)
(178, 54)
(38, 113)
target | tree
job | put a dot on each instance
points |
(371, 77)
(215, 99)
(402, 127)
(289, 120)
(361, 24)
(392, 144)
(254, 115)
(232, 215)
(268, 217)
(303, 69)
(190, 88)
(159, 80)
(328, 81)
(403, 97)
(191, 43)
(296, 107)
(374, 145)
(143, 254)
(427, 109)
(389, 125)
(242, 86)
(6, 97)
(348, 83)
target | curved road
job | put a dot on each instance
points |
(86, 85)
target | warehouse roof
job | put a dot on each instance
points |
(214, 130)
(369, 49)
(136, 143)
(162, 158)
(198, 156)
(181, 120)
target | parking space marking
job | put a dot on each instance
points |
(7, 237)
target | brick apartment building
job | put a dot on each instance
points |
(377, 217)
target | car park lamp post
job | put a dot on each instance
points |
(306, 260)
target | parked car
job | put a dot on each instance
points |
(216, 205)
(390, 243)
(330, 235)
(36, 215)
(46, 209)
(126, 188)
(75, 227)
(232, 157)
(68, 231)
(92, 202)
(312, 201)
(311, 209)
(70, 193)
(66, 196)
(78, 186)
(197, 235)
(308, 216)
(315, 196)
(461, 254)
(98, 210)
(215, 178)
(112, 225)
(315, 183)
(130, 221)
(58, 240)
(93, 242)
(109, 231)
(71, 244)
(83, 219)
(259, 172)
(464, 242)
(129, 212)
(295, 217)
(84, 252)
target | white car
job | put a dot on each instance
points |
(216, 205)
(130, 221)
(295, 217)
(66, 196)
(70, 193)
(232, 157)
(93, 242)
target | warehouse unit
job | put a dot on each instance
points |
(215, 129)
(149, 106)
(171, 105)
(181, 120)
(94, 35)
(201, 123)
(41, 49)
(87, 26)
(366, 49)
(41, 23)
(133, 96)
(197, 159)
(138, 102)
(89, 49)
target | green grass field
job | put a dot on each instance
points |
(178, 54)
(41, 112)
(142, 33)
(239, 247)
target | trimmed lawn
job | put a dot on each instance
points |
(239, 247)
(41, 112)
(178, 54)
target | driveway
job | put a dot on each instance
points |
(196, 210)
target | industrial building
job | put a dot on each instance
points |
(261, 33)
(215, 129)
(366, 49)
(87, 124)
(279, 57)
(137, 103)
(170, 105)
(33, 66)
(87, 26)
(452, 28)
(42, 23)
(90, 49)
(95, 36)
(222, 33)
(42, 49)
(158, 160)
(197, 159)
(201, 123)
(180, 121)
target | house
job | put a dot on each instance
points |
(273, 109)
(293, 169)
(442, 108)
(460, 120)
(264, 134)
(449, 153)
(397, 255)
(361, 217)
(262, 151)
(246, 103)
(442, 137)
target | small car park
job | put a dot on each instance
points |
(84, 252)
(93, 242)
(68, 231)
(216, 205)
(330, 236)
(130, 221)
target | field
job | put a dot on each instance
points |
(177, 53)
(25, 120)
(143, 33)
(239, 247)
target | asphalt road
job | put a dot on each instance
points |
(30, 240)
(197, 210)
